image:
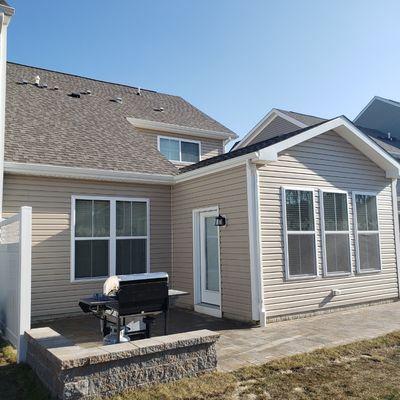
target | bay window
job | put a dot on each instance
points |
(366, 232)
(299, 232)
(335, 233)
(179, 150)
(109, 237)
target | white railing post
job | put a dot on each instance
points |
(25, 278)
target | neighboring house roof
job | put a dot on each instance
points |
(268, 150)
(390, 145)
(382, 115)
(46, 125)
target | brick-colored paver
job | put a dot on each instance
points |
(242, 345)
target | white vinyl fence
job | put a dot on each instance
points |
(15, 277)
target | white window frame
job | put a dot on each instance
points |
(324, 233)
(180, 140)
(356, 232)
(112, 238)
(286, 233)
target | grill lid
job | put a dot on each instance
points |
(112, 284)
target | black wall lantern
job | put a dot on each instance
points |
(220, 220)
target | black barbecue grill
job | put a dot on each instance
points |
(132, 306)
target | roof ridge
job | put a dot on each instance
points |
(86, 77)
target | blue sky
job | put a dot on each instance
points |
(233, 59)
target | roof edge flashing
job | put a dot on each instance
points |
(179, 129)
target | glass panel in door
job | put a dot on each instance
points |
(209, 259)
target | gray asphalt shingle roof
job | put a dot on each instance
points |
(304, 118)
(48, 126)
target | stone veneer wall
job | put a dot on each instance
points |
(72, 372)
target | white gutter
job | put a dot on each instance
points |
(5, 16)
(86, 173)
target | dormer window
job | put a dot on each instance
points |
(179, 150)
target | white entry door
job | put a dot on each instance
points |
(209, 258)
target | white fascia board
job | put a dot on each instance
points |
(180, 130)
(123, 176)
(217, 167)
(350, 133)
(265, 121)
(86, 173)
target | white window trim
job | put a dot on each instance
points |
(112, 238)
(180, 140)
(286, 232)
(324, 232)
(356, 232)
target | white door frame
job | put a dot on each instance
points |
(214, 310)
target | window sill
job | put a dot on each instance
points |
(302, 278)
(337, 274)
(369, 271)
(83, 280)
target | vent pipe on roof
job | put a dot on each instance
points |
(139, 91)
(389, 136)
(37, 80)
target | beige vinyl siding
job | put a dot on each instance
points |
(327, 161)
(209, 147)
(228, 190)
(278, 126)
(52, 292)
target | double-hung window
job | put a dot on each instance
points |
(366, 232)
(299, 231)
(109, 237)
(179, 150)
(335, 233)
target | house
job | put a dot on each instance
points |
(299, 217)
(380, 119)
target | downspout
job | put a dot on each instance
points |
(5, 16)
(396, 231)
(257, 287)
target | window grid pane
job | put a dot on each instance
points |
(337, 253)
(301, 250)
(369, 251)
(83, 218)
(335, 211)
(170, 149)
(190, 151)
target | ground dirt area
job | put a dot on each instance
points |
(364, 370)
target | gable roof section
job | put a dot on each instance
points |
(47, 126)
(306, 119)
(269, 150)
(297, 119)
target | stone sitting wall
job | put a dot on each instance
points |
(73, 372)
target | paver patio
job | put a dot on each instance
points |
(242, 345)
